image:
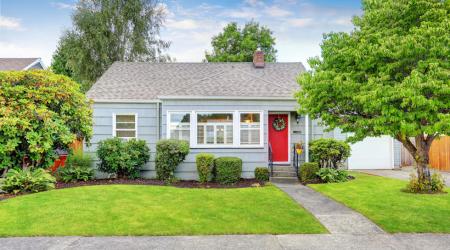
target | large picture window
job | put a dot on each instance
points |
(180, 126)
(215, 129)
(125, 126)
(250, 127)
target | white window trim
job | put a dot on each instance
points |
(169, 113)
(114, 130)
(236, 128)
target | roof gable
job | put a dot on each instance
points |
(20, 63)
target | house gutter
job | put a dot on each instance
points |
(227, 98)
(306, 138)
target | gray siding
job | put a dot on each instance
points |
(397, 153)
(252, 157)
(147, 126)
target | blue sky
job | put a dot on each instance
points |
(31, 28)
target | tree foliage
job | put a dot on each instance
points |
(238, 45)
(39, 112)
(389, 76)
(105, 31)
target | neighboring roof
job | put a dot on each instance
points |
(150, 81)
(20, 63)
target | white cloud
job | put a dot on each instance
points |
(344, 21)
(10, 23)
(61, 5)
(300, 22)
(244, 13)
(186, 24)
(276, 11)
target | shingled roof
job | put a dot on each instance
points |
(17, 63)
(150, 81)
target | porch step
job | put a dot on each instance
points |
(284, 173)
(283, 168)
(288, 180)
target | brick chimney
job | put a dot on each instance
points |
(258, 59)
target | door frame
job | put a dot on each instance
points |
(289, 134)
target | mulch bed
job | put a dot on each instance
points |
(182, 184)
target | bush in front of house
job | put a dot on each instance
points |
(308, 172)
(228, 170)
(169, 154)
(436, 184)
(330, 175)
(27, 181)
(77, 168)
(121, 157)
(329, 152)
(205, 165)
(262, 174)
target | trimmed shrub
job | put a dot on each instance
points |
(169, 154)
(122, 158)
(262, 174)
(78, 168)
(329, 152)
(330, 175)
(28, 181)
(307, 172)
(205, 165)
(228, 169)
(435, 185)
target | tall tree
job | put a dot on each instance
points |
(238, 45)
(389, 76)
(105, 31)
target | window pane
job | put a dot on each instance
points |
(250, 128)
(179, 125)
(176, 118)
(250, 118)
(209, 134)
(220, 134)
(127, 125)
(124, 118)
(123, 134)
(229, 130)
(218, 128)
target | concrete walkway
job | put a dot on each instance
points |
(403, 173)
(235, 242)
(337, 218)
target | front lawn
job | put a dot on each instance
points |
(381, 200)
(154, 210)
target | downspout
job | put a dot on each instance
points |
(306, 138)
(158, 120)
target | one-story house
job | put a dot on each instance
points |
(21, 63)
(227, 109)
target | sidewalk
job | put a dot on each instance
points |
(235, 242)
(403, 173)
(337, 218)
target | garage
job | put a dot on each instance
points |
(372, 153)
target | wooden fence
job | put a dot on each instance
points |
(439, 155)
(77, 146)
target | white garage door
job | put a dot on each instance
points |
(372, 153)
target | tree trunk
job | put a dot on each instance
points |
(423, 160)
(419, 150)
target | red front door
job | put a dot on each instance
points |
(279, 137)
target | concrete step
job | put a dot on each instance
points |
(284, 174)
(290, 180)
(283, 168)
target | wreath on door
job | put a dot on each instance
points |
(279, 124)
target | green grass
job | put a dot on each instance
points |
(380, 199)
(154, 210)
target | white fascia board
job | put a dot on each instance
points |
(39, 60)
(226, 97)
(124, 101)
